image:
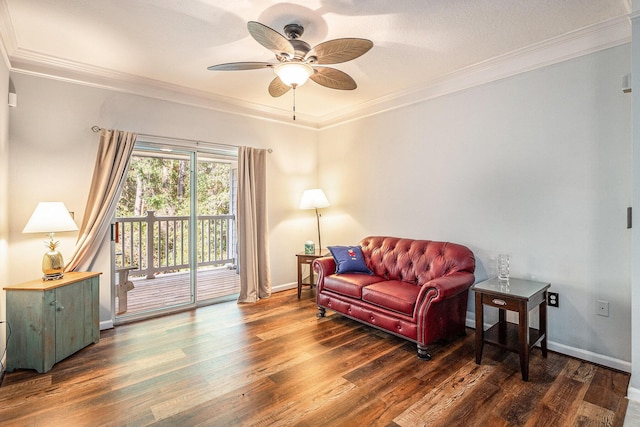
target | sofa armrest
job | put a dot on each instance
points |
(449, 286)
(441, 307)
(324, 267)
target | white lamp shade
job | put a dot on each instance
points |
(293, 73)
(313, 199)
(50, 217)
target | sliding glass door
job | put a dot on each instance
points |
(174, 231)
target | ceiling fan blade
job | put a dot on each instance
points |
(236, 66)
(271, 39)
(338, 50)
(277, 88)
(332, 78)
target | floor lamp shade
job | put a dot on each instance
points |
(50, 218)
(315, 199)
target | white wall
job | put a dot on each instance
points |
(634, 384)
(4, 205)
(536, 165)
(53, 153)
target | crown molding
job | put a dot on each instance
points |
(8, 42)
(604, 35)
(607, 34)
(28, 62)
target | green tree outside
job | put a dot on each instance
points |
(162, 185)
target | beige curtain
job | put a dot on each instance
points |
(253, 245)
(109, 174)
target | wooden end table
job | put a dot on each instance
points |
(516, 295)
(307, 259)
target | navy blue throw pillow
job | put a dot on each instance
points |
(349, 259)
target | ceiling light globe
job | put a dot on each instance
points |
(293, 74)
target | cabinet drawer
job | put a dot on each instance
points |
(500, 302)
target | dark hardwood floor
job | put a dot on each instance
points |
(274, 363)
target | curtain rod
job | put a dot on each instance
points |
(97, 129)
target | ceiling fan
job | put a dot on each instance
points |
(297, 60)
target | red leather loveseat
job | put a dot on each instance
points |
(418, 289)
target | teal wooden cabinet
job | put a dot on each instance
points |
(51, 320)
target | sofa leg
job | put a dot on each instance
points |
(321, 312)
(423, 354)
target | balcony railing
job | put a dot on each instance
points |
(160, 244)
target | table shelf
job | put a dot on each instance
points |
(509, 339)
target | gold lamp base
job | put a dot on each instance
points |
(52, 265)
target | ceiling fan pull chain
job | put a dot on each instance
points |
(294, 101)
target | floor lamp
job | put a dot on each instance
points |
(315, 199)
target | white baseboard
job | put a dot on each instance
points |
(284, 287)
(578, 353)
(633, 394)
(600, 359)
(106, 324)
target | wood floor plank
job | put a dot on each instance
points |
(275, 363)
(562, 401)
(604, 380)
(293, 406)
(514, 404)
(593, 415)
(436, 404)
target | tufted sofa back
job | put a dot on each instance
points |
(415, 261)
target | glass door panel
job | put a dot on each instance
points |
(217, 275)
(152, 234)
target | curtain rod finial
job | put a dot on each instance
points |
(96, 129)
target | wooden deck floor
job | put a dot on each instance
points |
(167, 290)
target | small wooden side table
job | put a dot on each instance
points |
(516, 295)
(307, 259)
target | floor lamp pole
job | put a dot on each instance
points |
(319, 241)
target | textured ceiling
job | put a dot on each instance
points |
(170, 43)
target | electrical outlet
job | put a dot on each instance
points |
(603, 308)
(552, 299)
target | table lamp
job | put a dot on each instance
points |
(315, 199)
(49, 218)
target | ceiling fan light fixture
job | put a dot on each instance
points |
(293, 74)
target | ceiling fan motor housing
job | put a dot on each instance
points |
(293, 31)
(301, 48)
